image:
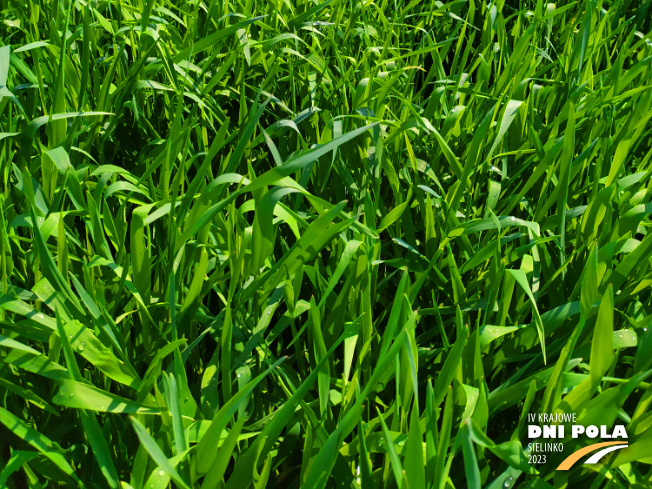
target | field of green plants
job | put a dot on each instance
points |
(323, 244)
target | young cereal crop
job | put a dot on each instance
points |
(320, 244)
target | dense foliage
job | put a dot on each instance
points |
(322, 243)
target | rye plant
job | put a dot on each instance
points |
(320, 244)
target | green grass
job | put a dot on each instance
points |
(322, 244)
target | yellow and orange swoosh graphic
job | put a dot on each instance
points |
(575, 456)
